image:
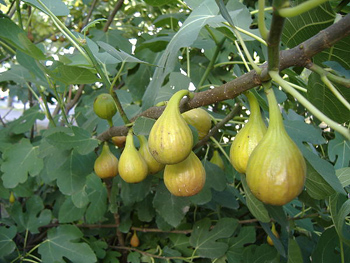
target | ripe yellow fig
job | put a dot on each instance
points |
(106, 165)
(200, 119)
(276, 169)
(248, 137)
(153, 165)
(134, 241)
(216, 159)
(105, 107)
(186, 178)
(132, 167)
(274, 231)
(170, 140)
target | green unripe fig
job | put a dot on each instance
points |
(153, 165)
(248, 137)
(106, 165)
(12, 198)
(216, 159)
(276, 169)
(132, 167)
(200, 119)
(186, 178)
(170, 140)
(105, 107)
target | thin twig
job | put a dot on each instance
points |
(87, 18)
(219, 125)
(117, 6)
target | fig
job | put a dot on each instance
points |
(248, 137)
(134, 241)
(186, 178)
(119, 141)
(132, 167)
(274, 231)
(276, 169)
(216, 159)
(12, 198)
(153, 165)
(105, 107)
(170, 140)
(200, 119)
(106, 165)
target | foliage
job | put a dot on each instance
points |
(63, 54)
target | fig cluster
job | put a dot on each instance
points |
(170, 143)
(274, 166)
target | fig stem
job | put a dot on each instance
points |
(254, 106)
(174, 101)
(220, 147)
(301, 8)
(276, 120)
(261, 20)
(309, 106)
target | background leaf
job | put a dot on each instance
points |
(57, 7)
(63, 241)
(6, 243)
(172, 208)
(77, 138)
(205, 241)
(255, 206)
(322, 98)
(33, 217)
(19, 160)
(339, 151)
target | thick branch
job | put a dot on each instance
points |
(299, 56)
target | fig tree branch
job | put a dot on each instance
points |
(299, 56)
(110, 19)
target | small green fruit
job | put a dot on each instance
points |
(104, 107)
(216, 159)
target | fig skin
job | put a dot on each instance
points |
(276, 169)
(248, 137)
(105, 107)
(106, 165)
(200, 119)
(12, 198)
(134, 241)
(132, 167)
(170, 140)
(119, 141)
(186, 178)
(153, 165)
(216, 159)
